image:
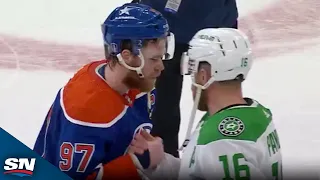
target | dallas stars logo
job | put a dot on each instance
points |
(231, 126)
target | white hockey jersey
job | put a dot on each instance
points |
(238, 142)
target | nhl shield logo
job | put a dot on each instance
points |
(231, 126)
(152, 99)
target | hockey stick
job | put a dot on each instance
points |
(192, 117)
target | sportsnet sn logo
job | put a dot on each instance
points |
(19, 166)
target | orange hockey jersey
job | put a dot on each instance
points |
(89, 127)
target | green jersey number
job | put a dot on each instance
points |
(237, 167)
(276, 168)
(277, 171)
(244, 62)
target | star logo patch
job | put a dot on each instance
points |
(231, 126)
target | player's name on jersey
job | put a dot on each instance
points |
(273, 142)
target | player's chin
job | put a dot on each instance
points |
(147, 85)
(202, 107)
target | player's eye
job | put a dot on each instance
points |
(156, 59)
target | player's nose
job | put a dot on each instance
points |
(160, 66)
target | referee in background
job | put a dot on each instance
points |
(185, 18)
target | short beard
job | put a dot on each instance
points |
(133, 81)
(203, 105)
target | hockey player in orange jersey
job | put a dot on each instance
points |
(95, 116)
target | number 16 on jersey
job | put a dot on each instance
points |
(242, 171)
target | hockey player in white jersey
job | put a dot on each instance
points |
(236, 138)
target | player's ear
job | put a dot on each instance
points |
(127, 56)
(203, 76)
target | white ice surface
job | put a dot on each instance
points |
(287, 83)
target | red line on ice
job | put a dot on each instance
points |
(282, 24)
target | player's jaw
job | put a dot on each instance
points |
(133, 81)
(151, 71)
(203, 105)
(203, 102)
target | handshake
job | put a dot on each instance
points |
(146, 151)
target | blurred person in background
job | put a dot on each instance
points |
(185, 18)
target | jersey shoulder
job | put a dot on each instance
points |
(245, 123)
(87, 99)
